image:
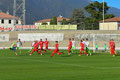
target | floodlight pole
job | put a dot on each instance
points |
(19, 10)
(14, 12)
(103, 14)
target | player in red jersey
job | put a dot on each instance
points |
(56, 49)
(36, 45)
(112, 47)
(82, 48)
(46, 45)
(41, 46)
(69, 46)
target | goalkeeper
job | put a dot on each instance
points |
(87, 47)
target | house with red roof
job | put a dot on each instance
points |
(47, 21)
(110, 24)
(7, 20)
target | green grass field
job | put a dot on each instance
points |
(100, 66)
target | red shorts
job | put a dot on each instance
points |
(35, 49)
(56, 50)
(41, 47)
(112, 49)
(82, 49)
(69, 47)
(46, 47)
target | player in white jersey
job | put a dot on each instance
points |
(87, 47)
(83, 41)
(73, 45)
(19, 45)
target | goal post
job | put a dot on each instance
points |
(103, 39)
(100, 40)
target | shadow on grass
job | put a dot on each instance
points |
(117, 55)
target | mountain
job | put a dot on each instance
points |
(114, 11)
(42, 9)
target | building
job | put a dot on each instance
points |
(110, 24)
(7, 20)
(47, 21)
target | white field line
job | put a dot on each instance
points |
(74, 65)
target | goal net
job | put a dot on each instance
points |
(101, 42)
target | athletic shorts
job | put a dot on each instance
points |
(69, 47)
(112, 49)
(41, 47)
(35, 49)
(13, 48)
(82, 49)
(73, 47)
(86, 48)
(18, 48)
(56, 50)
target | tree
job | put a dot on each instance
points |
(95, 10)
(54, 20)
(44, 23)
(90, 24)
(64, 22)
(78, 18)
(51, 22)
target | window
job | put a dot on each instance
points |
(16, 21)
(2, 21)
(9, 21)
(118, 27)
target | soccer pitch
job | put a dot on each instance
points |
(100, 66)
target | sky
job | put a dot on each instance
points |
(112, 3)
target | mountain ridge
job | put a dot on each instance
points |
(44, 9)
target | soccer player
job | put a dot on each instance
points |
(56, 49)
(36, 45)
(41, 46)
(105, 47)
(96, 46)
(112, 47)
(87, 46)
(73, 45)
(82, 48)
(69, 46)
(83, 41)
(33, 43)
(19, 44)
(13, 47)
(46, 45)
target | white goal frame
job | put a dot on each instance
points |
(101, 48)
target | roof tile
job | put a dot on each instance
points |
(48, 20)
(6, 16)
(114, 19)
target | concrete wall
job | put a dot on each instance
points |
(108, 26)
(67, 34)
(58, 27)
